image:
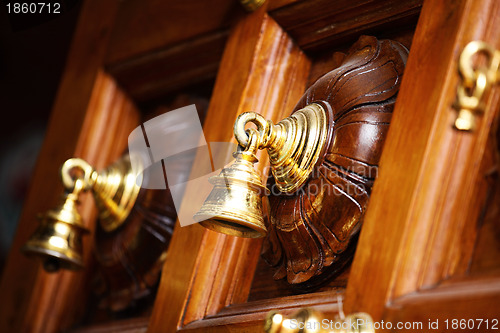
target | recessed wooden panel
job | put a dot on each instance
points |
(264, 286)
(421, 224)
(144, 26)
(319, 24)
(160, 73)
(261, 70)
(33, 300)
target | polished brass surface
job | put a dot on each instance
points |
(58, 238)
(234, 206)
(294, 146)
(115, 190)
(252, 5)
(476, 82)
(310, 321)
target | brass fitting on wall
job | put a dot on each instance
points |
(476, 83)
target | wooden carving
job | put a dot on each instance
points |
(312, 233)
(130, 258)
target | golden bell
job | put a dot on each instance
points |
(294, 146)
(234, 206)
(58, 238)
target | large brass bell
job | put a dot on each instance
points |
(294, 146)
(58, 238)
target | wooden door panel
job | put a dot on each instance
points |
(419, 236)
(423, 252)
(262, 70)
(431, 185)
(209, 291)
(320, 24)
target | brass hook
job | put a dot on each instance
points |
(76, 163)
(476, 82)
(263, 128)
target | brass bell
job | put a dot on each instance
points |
(58, 238)
(234, 206)
(294, 145)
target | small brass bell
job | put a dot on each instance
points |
(294, 145)
(58, 238)
(234, 206)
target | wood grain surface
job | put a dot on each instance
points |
(33, 300)
(422, 252)
(261, 70)
(319, 24)
(431, 186)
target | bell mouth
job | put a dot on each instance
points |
(235, 227)
(53, 260)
